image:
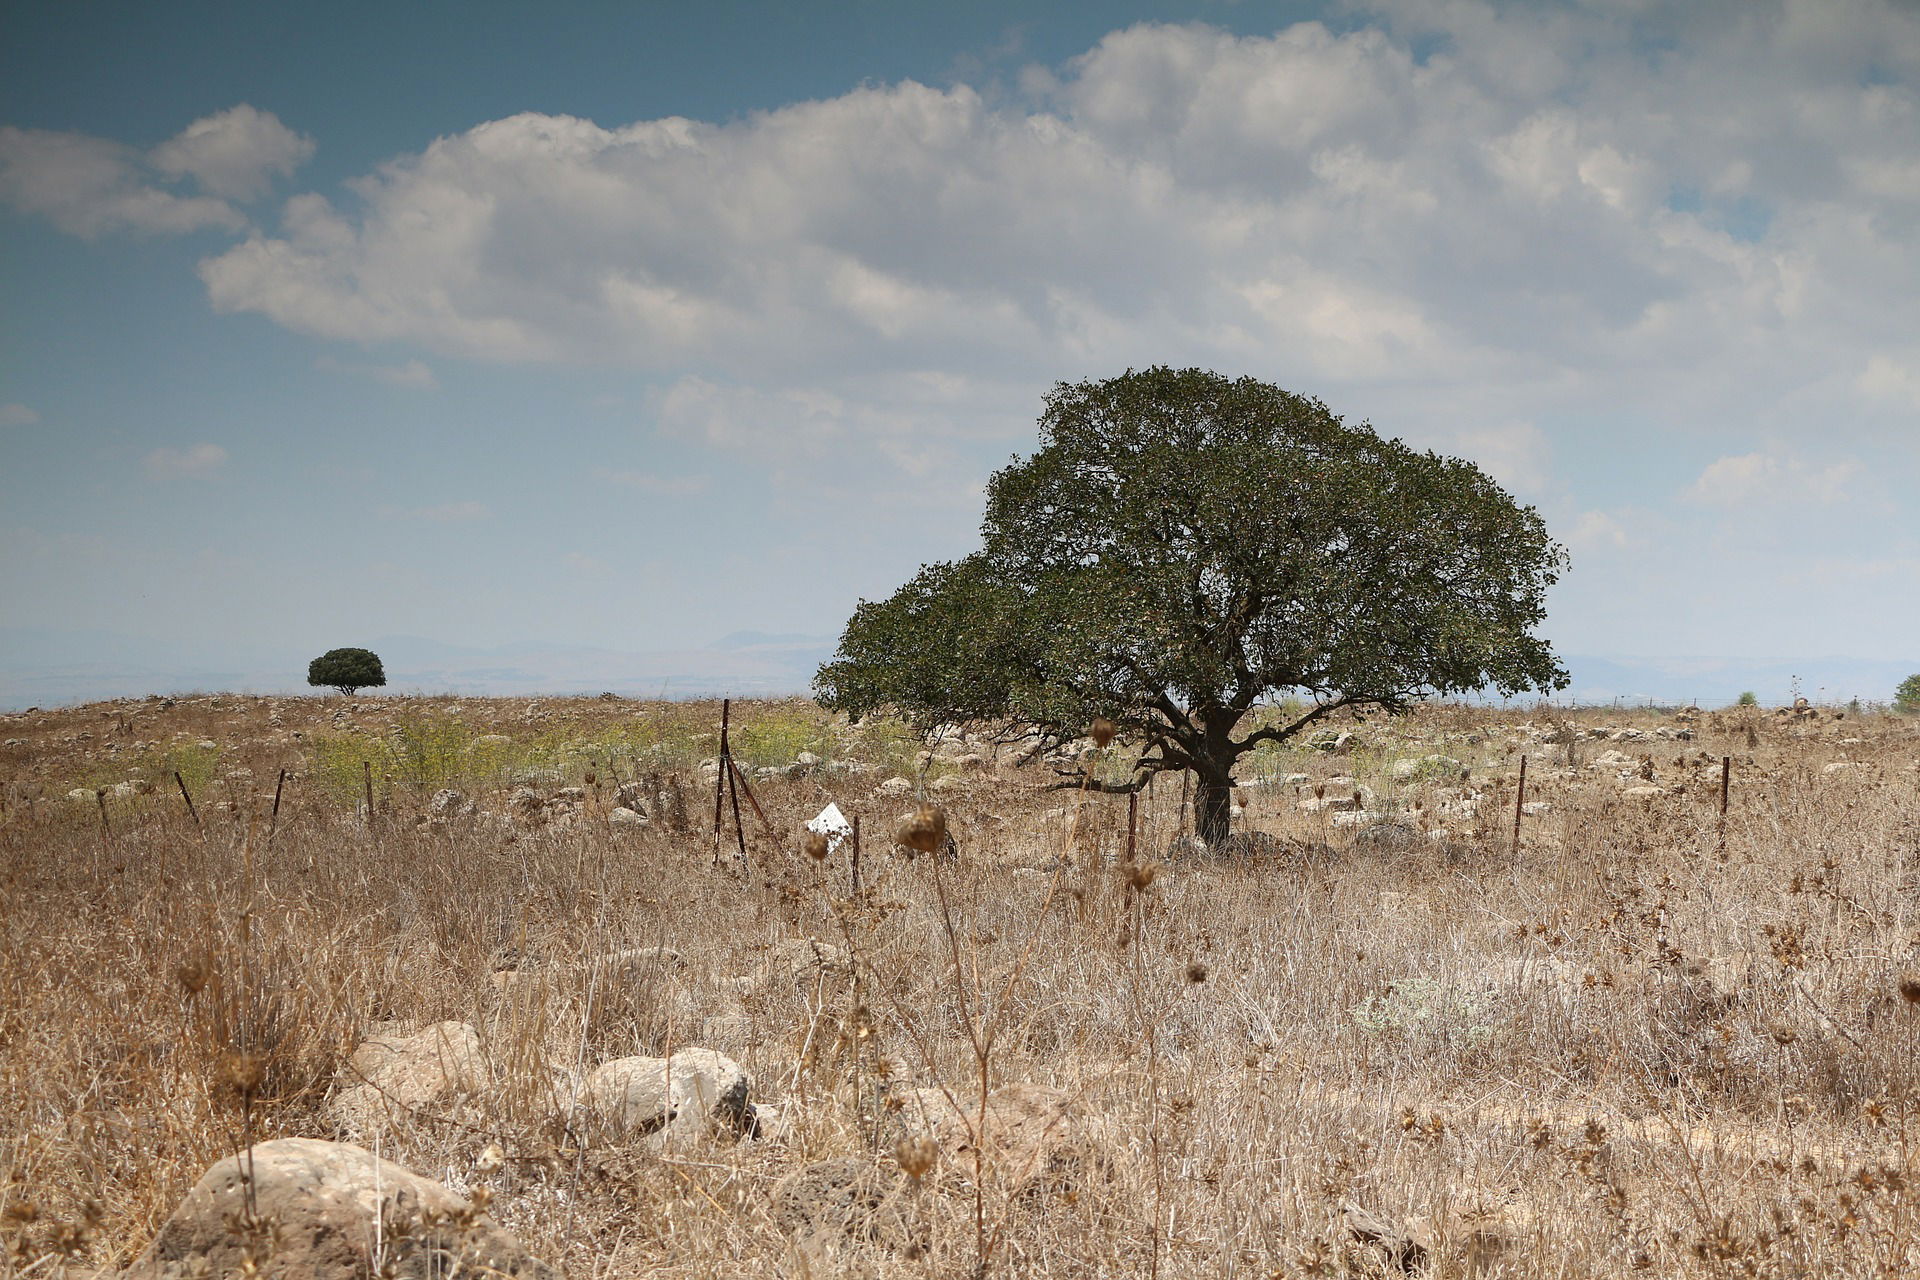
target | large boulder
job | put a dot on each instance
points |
(328, 1211)
(693, 1094)
(396, 1072)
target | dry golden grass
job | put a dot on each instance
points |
(1641, 1044)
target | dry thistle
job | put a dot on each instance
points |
(916, 1155)
(1102, 731)
(242, 1072)
(193, 974)
(1140, 876)
(1910, 987)
(1196, 972)
(816, 847)
(925, 831)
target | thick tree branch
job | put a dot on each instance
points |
(1280, 733)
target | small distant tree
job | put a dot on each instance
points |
(1185, 547)
(346, 671)
(1748, 699)
(1906, 699)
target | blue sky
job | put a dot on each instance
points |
(632, 326)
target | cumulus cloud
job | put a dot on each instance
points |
(17, 415)
(1481, 213)
(412, 374)
(1756, 479)
(90, 186)
(1893, 379)
(234, 153)
(194, 460)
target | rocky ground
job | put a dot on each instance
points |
(437, 986)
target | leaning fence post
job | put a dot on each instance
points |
(856, 857)
(1519, 803)
(187, 796)
(274, 821)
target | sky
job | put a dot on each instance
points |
(637, 325)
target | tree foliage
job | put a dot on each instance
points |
(347, 670)
(1184, 546)
(1906, 698)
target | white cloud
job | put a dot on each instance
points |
(1517, 454)
(1514, 216)
(234, 153)
(412, 374)
(1598, 531)
(664, 486)
(194, 460)
(90, 186)
(1761, 479)
(1893, 379)
(17, 415)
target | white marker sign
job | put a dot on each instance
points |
(832, 824)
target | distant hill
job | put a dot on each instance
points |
(40, 667)
(1719, 681)
(47, 667)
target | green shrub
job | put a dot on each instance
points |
(1748, 699)
(776, 737)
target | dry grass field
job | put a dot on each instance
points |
(1648, 1040)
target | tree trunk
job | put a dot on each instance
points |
(1213, 807)
(1213, 776)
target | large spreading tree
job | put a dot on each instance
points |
(1186, 549)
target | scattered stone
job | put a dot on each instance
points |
(208, 744)
(895, 786)
(1395, 1243)
(1389, 836)
(324, 1208)
(395, 1072)
(1644, 792)
(448, 804)
(694, 1093)
(1847, 769)
(853, 1198)
(1328, 804)
(1035, 1136)
(626, 818)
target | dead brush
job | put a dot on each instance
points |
(1754, 1090)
